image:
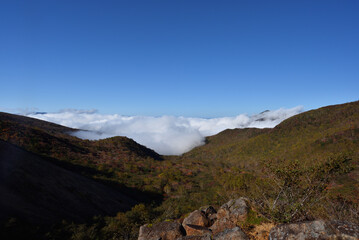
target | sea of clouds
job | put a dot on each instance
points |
(166, 135)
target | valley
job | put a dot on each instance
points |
(55, 185)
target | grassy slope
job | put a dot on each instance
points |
(311, 137)
(50, 139)
(307, 136)
(118, 160)
(225, 166)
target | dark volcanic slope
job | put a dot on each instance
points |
(35, 123)
(39, 191)
(52, 140)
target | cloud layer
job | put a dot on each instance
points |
(167, 135)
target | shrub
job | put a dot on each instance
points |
(296, 190)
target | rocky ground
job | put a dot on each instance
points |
(229, 221)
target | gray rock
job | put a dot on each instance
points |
(163, 231)
(230, 214)
(222, 224)
(231, 234)
(235, 210)
(318, 229)
(194, 220)
(346, 230)
(195, 238)
(198, 230)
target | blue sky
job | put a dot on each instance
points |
(183, 58)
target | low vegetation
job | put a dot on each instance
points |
(305, 168)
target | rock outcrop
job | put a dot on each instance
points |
(318, 229)
(194, 223)
(163, 231)
(231, 234)
(230, 214)
(209, 224)
(195, 238)
(210, 213)
(203, 224)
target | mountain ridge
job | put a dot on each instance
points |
(232, 163)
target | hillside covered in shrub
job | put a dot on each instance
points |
(307, 167)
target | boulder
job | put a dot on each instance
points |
(231, 234)
(235, 210)
(222, 224)
(208, 210)
(318, 229)
(193, 221)
(163, 231)
(230, 214)
(195, 238)
(300, 231)
(345, 230)
(210, 213)
(196, 230)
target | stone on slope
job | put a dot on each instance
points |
(230, 214)
(162, 230)
(318, 229)
(344, 229)
(210, 213)
(195, 238)
(235, 209)
(231, 234)
(196, 230)
(222, 224)
(196, 218)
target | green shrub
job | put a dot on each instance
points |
(296, 190)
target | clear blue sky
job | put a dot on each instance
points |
(191, 58)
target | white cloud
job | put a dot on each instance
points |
(166, 134)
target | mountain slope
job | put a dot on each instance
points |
(117, 161)
(232, 163)
(313, 134)
(223, 143)
(52, 140)
(36, 190)
(35, 123)
(310, 138)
